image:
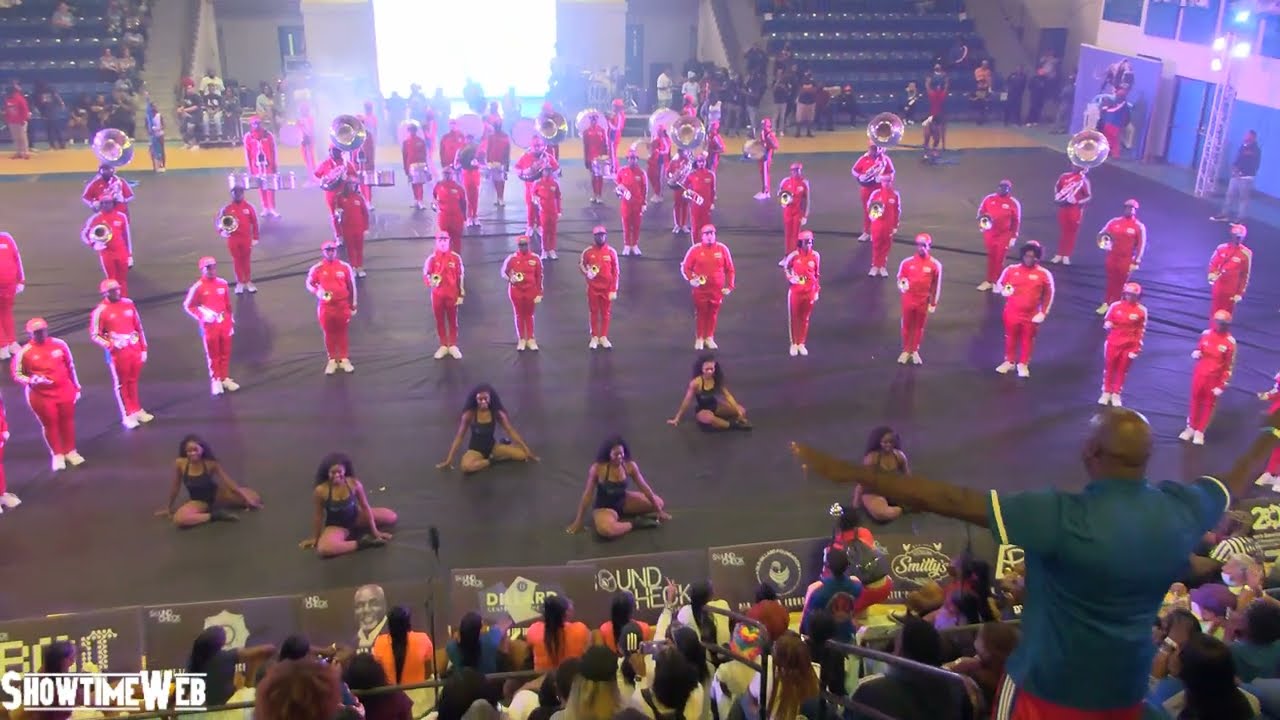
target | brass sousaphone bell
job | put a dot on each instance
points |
(348, 133)
(885, 130)
(688, 133)
(113, 147)
(553, 127)
(1088, 149)
(99, 234)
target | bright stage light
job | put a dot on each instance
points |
(1219, 44)
(1241, 50)
(1216, 65)
(1242, 16)
(497, 43)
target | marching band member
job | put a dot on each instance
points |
(1072, 192)
(106, 182)
(1269, 477)
(803, 270)
(8, 500)
(531, 162)
(444, 274)
(1125, 241)
(546, 192)
(471, 180)
(599, 264)
(1000, 219)
(632, 189)
(1028, 291)
(715, 147)
(260, 159)
(1215, 358)
(451, 144)
(701, 185)
(45, 366)
(332, 282)
(659, 155)
(874, 164)
(413, 150)
(1229, 270)
(12, 282)
(497, 151)
(1126, 326)
(430, 130)
(770, 142)
(920, 280)
(492, 118)
(116, 327)
(449, 202)
(241, 235)
(367, 154)
(708, 268)
(795, 194)
(677, 170)
(351, 219)
(617, 123)
(114, 246)
(885, 211)
(208, 302)
(594, 144)
(690, 108)
(307, 124)
(553, 149)
(334, 173)
(523, 272)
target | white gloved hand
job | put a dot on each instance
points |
(1195, 354)
(1038, 318)
(537, 300)
(804, 220)
(144, 356)
(904, 285)
(613, 296)
(19, 288)
(1217, 392)
(1237, 298)
(1213, 278)
(725, 291)
(933, 309)
(460, 299)
(1107, 326)
(695, 282)
(1133, 356)
(130, 261)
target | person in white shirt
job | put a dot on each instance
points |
(690, 87)
(664, 90)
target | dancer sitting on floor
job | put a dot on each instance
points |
(483, 415)
(610, 500)
(884, 451)
(212, 494)
(715, 406)
(342, 511)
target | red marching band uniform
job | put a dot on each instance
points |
(595, 143)
(599, 264)
(708, 268)
(414, 151)
(803, 270)
(240, 241)
(328, 171)
(1126, 326)
(7, 499)
(1028, 293)
(48, 371)
(617, 123)
(12, 281)
(546, 193)
(351, 220)
(1215, 357)
(1005, 215)
(770, 143)
(701, 185)
(444, 274)
(633, 193)
(471, 181)
(874, 164)
(523, 272)
(497, 151)
(1229, 271)
(116, 327)
(659, 155)
(1124, 239)
(449, 201)
(885, 210)
(1269, 477)
(332, 281)
(679, 166)
(715, 147)
(450, 144)
(115, 251)
(795, 214)
(536, 156)
(208, 301)
(920, 280)
(108, 184)
(260, 159)
(1072, 192)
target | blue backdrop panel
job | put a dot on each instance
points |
(1247, 116)
(1184, 125)
(1200, 25)
(1162, 20)
(1096, 70)
(1128, 12)
(1270, 44)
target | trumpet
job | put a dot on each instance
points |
(348, 133)
(1104, 241)
(553, 127)
(876, 210)
(1088, 149)
(1007, 290)
(436, 280)
(677, 178)
(326, 296)
(594, 270)
(99, 234)
(885, 130)
(517, 277)
(695, 197)
(334, 179)
(985, 222)
(227, 225)
(785, 198)
(622, 192)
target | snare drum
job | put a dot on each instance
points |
(279, 181)
(244, 180)
(378, 178)
(419, 174)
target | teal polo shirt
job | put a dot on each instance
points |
(1098, 565)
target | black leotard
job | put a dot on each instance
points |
(200, 488)
(705, 399)
(341, 513)
(611, 494)
(483, 434)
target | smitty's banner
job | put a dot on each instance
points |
(106, 640)
(787, 566)
(515, 594)
(171, 629)
(646, 576)
(355, 616)
(915, 560)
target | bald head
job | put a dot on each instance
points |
(1119, 444)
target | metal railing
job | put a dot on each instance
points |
(762, 666)
(847, 650)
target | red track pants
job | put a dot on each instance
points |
(1203, 401)
(241, 250)
(599, 311)
(597, 185)
(700, 215)
(1069, 217)
(630, 214)
(1019, 334)
(3, 486)
(269, 199)
(914, 317)
(217, 348)
(522, 306)
(865, 191)
(417, 189)
(126, 367)
(335, 321)
(547, 229)
(530, 207)
(471, 184)
(1117, 276)
(354, 242)
(7, 295)
(706, 310)
(116, 267)
(790, 229)
(455, 225)
(680, 209)
(881, 244)
(445, 308)
(764, 163)
(656, 181)
(800, 305)
(56, 412)
(1222, 300)
(997, 248)
(1115, 365)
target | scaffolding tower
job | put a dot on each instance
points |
(1215, 135)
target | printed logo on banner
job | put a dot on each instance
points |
(517, 594)
(169, 630)
(1264, 515)
(646, 577)
(356, 616)
(107, 640)
(1007, 559)
(787, 566)
(780, 570)
(917, 565)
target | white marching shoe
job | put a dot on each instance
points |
(227, 384)
(75, 458)
(1265, 480)
(533, 344)
(884, 272)
(130, 422)
(216, 387)
(251, 287)
(711, 344)
(864, 237)
(59, 463)
(1056, 259)
(604, 343)
(915, 359)
(239, 288)
(1104, 398)
(699, 344)
(1004, 367)
(1186, 434)
(331, 367)
(346, 365)
(454, 352)
(1198, 438)
(595, 343)
(1023, 370)
(9, 501)
(904, 358)
(794, 351)
(985, 286)
(873, 272)
(762, 196)
(441, 352)
(522, 345)
(1115, 400)
(804, 351)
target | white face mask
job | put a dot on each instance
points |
(1229, 581)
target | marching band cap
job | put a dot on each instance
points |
(617, 102)
(599, 230)
(1239, 230)
(924, 239)
(206, 261)
(797, 166)
(522, 240)
(1132, 288)
(1131, 203)
(805, 235)
(108, 285)
(329, 245)
(36, 323)
(1222, 316)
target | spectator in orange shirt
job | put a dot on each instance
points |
(556, 637)
(622, 610)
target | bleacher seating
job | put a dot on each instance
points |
(32, 50)
(875, 46)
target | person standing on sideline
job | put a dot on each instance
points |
(1083, 654)
(1244, 169)
(17, 113)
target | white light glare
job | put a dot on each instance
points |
(1241, 50)
(1216, 65)
(1242, 16)
(1220, 44)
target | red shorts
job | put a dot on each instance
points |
(1015, 704)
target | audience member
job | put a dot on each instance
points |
(211, 657)
(594, 694)
(477, 646)
(556, 637)
(1210, 690)
(296, 689)
(16, 115)
(1257, 652)
(674, 691)
(909, 694)
(407, 657)
(365, 672)
(992, 646)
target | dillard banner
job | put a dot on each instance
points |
(170, 630)
(646, 577)
(787, 566)
(515, 594)
(107, 640)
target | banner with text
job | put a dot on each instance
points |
(515, 594)
(106, 640)
(170, 630)
(645, 577)
(787, 566)
(1264, 516)
(914, 561)
(355, 617)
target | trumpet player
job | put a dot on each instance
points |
(116, 327)
(1215, 357)
(794, 194)
(107, 231)
(471, 164)
(1028, 290)
(413, 151)
(632, 189)
(885, 211)
(1124, 239)
(770, 143)
(617, 123)
(334, 173)
(449, 202)
(599, 264)
(332, 281)
(659, 155)
(1072, 192)
(12, 282)
(523, 272)
(1126, 326)
(260, 159)
(451, 143)
(700, 190)
(999, 219)
(874, 164)
(1229, 270)
(920, 280)
(48, 371)
(107, 183)
(497, 151)
(677, 172)
(546, 192)
(208, 302)
(708, 268)
(444, 274)
(529, 167)
(803, 271)
(595, 143)
(351, 219)
(238, 223)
